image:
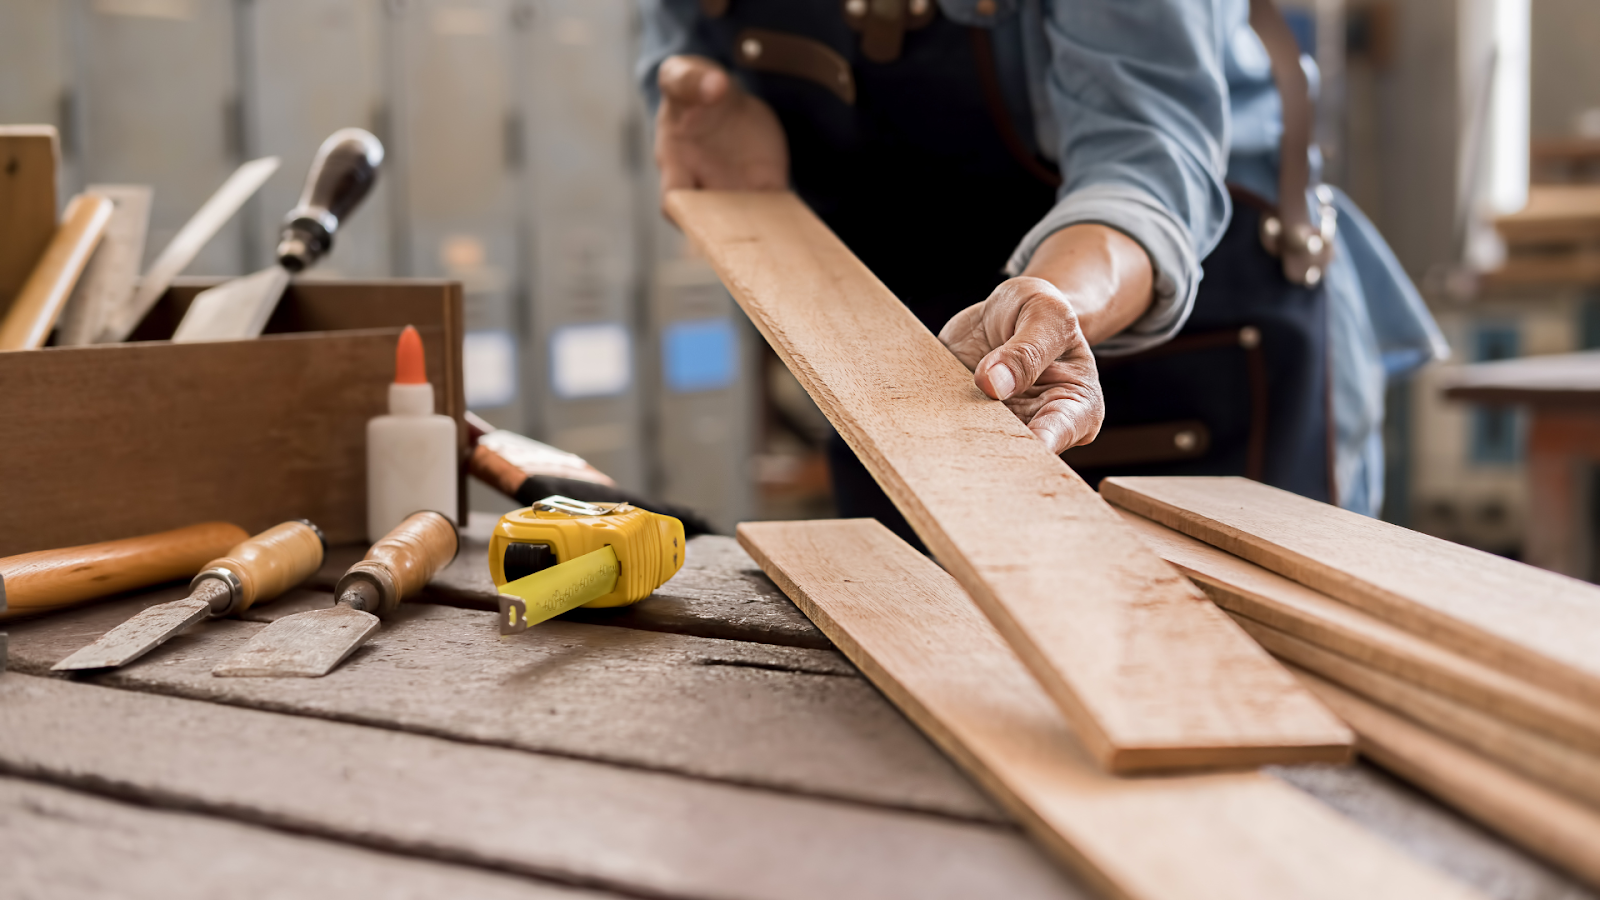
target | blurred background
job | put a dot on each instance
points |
(519, 164)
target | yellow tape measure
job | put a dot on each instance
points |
(560, 554)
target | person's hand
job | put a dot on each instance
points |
(711, 134)
(1025, 348)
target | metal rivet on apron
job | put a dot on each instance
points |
(1185, 440)
(1314, 244)
(918, 7)
(985, 7)
(751, 48)
(857, 8)
(1249, 337)
(1313, 276)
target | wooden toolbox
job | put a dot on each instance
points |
(115, 440)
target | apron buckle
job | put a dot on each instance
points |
(1305, 251)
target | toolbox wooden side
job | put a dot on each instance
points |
(108, 441)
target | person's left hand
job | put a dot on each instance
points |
(1026, 348)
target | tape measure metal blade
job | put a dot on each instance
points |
(544, 595)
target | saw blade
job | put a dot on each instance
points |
(304, 645)
(235, 310)
(137, 636)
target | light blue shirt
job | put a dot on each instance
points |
(1150, 107)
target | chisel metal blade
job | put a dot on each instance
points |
(137, 636)
(304, 645)
(233, 311)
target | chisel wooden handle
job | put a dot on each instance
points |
(402, 562)
(54, 579)
(270, 563)
(37, 306)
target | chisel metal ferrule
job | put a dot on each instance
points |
(205, 587)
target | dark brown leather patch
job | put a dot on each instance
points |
(1135, 445)
(716, 9)
(788, 54)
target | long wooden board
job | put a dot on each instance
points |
(644, 834)
(917, 636)
(1150, 675)
(28, 161)
(1541, 821)
(1246, 589)
(1527, 622)
(65, 844)
(1570, 771)
(781, 718)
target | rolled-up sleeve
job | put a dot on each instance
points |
(1140, 103)
(667, 28)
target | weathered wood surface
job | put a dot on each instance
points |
(568, 820)
(1150, 676)
(1544, 822)
(1533, 624)
(65, 845)
(1246, 589)
(779, 717)
(903, 621)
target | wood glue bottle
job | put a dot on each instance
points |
(411, 453)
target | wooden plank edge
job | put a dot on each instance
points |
(1246, 589)
(1339, 859)
(1541, 821)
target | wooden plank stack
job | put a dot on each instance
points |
(1471, 675)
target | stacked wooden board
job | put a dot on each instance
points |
(1470, 675)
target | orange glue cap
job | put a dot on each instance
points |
(409, 367)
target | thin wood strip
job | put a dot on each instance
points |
(1529, 623)
(1150, 675)
(646, 834)
(1570, 771)
(112, 273)
(1541, 821)
(37, 306)
(918, 637)
(1243, 587)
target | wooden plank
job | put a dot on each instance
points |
(912, 630)
(108, 282)
(1552, 763)
(64, 844)
(778, 717)
(1149, 677)
(1544, 822)
(251, 432)
(1531, 624)
(28, 161)
(1246, 589)
(641, 833)
(1565, 380)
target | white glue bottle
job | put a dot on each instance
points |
(411, 453)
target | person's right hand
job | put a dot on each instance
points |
(711, 134)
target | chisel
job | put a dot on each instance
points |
(47, 580)
(311, 644)
(33, 313)
(341, 176)
(123, 317)
(253, 571)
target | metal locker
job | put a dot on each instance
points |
(157, 104)
(454, 178)
(313, 67)
(582, 119)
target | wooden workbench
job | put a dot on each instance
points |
(706, 743)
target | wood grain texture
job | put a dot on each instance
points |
(1150, 675)
(108, 281)
(643, 833)
(1570, 771)
(36, 307)
(916, 635)
(775, 717)
(54, 579)
(1529, 623)
(253, 432)
(66, 845)
(1543, 822)
(29, 157)
(1244, 588)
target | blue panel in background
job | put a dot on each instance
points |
(700, 354)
